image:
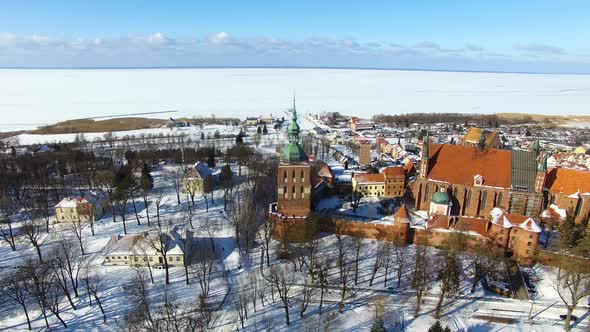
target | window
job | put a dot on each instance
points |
(118, 257)
(502, 232)
(528, 252)
(124, 257)
(302, 176)
(500, 198)
(285, 176)
(468, 202)
(151, 259)
(293, 176)
(426, 192)
(531, 236)
(484, 198)
(137, 259)
(528, 244)
(178, 259)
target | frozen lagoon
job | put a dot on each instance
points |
(44, 96)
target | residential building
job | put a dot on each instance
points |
(145, 248)
(85, 208)
(192, 181)
(395, 181)
(372, 185)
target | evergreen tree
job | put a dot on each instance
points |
(259, 130)
(264, 130)
(226, 174)
(570, 232)
(211, 159)
(378, 325)
(217, 135)
(240, 138)
(147, 181)
(436, 327)
(202, 136)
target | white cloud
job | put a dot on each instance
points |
(223, 49)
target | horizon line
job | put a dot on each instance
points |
(290, 67)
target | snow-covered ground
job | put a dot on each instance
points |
(36, 97)
(462, 313)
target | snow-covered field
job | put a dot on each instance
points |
(33, 97)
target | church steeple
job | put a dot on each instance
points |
(425, 156)
(293, 152)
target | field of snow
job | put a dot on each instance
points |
(34, 97)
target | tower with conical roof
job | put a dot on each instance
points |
(293, 176)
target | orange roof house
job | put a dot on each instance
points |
(474, 136)
(567, 181)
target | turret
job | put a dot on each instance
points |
(425, 156)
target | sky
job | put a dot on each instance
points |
(508, 36)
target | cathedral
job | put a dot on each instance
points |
(478, 179)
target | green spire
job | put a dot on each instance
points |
(536, 147)
(293, 152)
(293, 129)
(425, 143)
(542, 167)
(482, 139)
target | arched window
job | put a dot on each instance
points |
(484, 198)
(468, 201)
(426, 192)
(500, 198)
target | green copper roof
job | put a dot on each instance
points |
(293, 152)
(441, 197)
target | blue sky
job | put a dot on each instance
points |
(537, 36)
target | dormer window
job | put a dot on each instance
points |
(478, 180)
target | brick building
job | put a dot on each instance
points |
(364, 153)
(569, 189)
(479, 179)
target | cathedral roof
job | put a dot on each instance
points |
(458, 164)
(293, 152)
(568, 181)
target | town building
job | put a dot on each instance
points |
(85, 208)
(364, 153)
(481, 137)
(357, 124)
(390, 183)
(145, 248)
(194, 177)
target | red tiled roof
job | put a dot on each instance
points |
(458, 164)
(391, 172)
(567, 181)
(370, 178)
(474, 134)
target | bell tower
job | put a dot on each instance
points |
(293, 176)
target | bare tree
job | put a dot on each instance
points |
(76, 227)
(420, 277)
(572, 284)
(7, 232)
(14, 287)
(204, 270)
(160, 240)
(345, 282)
(31, 230)
(449, 270)
(306, 293)
(379, 261)
(357, 245)
(400, 253)
(93, 282)
(264, 236)
(321, 282)
(159, 196)
(282, 279)
(138, 294)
